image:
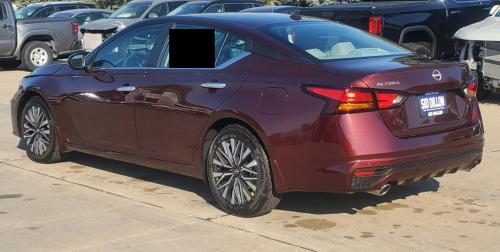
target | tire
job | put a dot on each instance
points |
(9, 65)
(483, 92)
(36, 54)
(241, 184)
(421, 48)
(37, 130)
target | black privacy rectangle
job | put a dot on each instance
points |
(191, 48)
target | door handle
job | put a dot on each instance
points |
(213, 85)
(6, 26)
(126, 88)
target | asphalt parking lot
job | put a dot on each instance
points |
(96, 204)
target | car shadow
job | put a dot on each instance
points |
(332, 203)
(491, 99)
(300, 202)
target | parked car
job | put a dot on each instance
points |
(97, 31)
(426, 27)
(274, 9)
(83, 16)
(34, 42)
(214, 6)
(479, 47)
(45, 9)
(292, 104)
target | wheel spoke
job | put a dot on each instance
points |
(245, 154)
(251, 185)
(227, 152)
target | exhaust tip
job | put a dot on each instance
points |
(381, 191)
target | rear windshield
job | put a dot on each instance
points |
(330, 41)
(26, 12)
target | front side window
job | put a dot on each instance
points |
(66, 7)
(216, 8)
(131, 11)
(83, 18)
(188, 8)
(329, 41)
(45, 12)
(131, 50)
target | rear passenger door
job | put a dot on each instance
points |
(173, 104)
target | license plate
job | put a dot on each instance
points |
(432, 104)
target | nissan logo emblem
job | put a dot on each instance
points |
(437, 75)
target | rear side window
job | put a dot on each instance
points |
(228, 45)
(233, 7)
(329, 41)
(66, 7)
(175, 4)
(160, 10)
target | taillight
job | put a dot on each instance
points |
(75, 26)
(356, 100)
(375, 24)
(471, 88)
(389, 100)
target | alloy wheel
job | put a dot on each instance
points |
(234, 171)
(37, 131)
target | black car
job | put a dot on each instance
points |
(424, 26)
(43, 10)
(215, 6)
(273, 9)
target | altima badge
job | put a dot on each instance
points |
(437, 75)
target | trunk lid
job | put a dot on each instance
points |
(422, 82)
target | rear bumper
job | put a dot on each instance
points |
(418, 169)
(345, 144)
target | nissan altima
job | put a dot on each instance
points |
(290, 104)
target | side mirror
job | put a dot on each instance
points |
(152, 15)
(494, 9)
(77, 61)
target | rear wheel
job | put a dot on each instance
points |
(36, 54)
(38, 132)
(239, 174)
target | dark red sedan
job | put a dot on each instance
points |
(292, 104)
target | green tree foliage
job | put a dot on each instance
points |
(105, 4)
(307, 3)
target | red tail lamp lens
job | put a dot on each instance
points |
(389, 100)
(375, 24)
(471, 88)
(364, 173)
(75, 26)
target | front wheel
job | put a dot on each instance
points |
(239, 174)
(38, 132)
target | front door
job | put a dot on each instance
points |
(173, 104)
(7, 30)
(101, 101)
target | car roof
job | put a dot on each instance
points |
(60, 3)
(269, 8)
(80, 11)
(242, 19)
(156, 1)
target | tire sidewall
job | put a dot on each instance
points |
(52, 147)
(26, 54)
(263, 170)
